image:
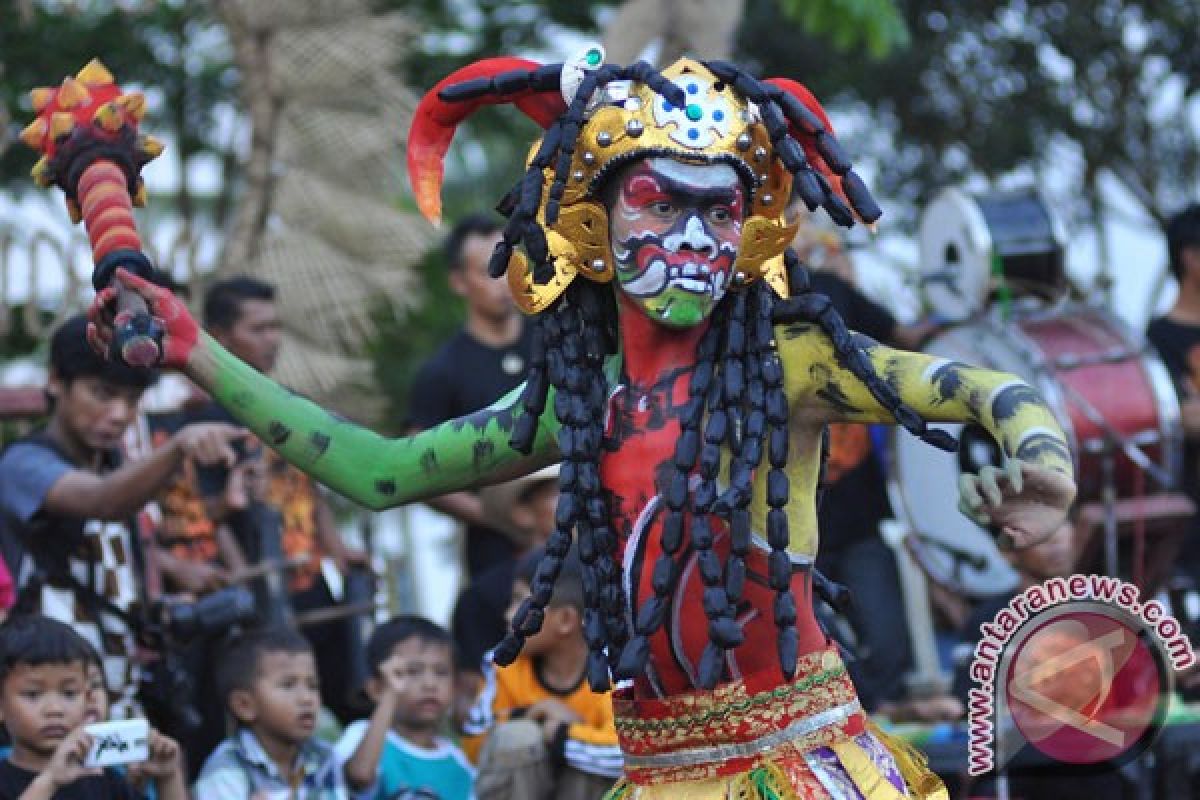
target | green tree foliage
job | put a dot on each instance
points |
(876, 25)
(987, 87)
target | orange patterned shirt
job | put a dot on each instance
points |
(294, 494)
(188, 533)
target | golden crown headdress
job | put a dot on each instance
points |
(599, 117)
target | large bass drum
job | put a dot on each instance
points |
(1112, 396)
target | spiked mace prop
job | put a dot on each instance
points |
(86, 131)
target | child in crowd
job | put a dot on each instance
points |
(96, 709)
(44, 699)
(523, 509)
(268, 682)
(542, 731)
(411, 685)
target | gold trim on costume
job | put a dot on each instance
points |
(703, 755)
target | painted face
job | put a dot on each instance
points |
(675, 229)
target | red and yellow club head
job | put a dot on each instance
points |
(90, 102)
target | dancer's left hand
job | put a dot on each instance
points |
(1026, 502)
(181, 333)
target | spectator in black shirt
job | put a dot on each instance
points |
(1176, 336)
(483, 361)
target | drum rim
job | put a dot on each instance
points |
(976, 229)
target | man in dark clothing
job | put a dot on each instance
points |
(484, 361)
(1176, 337)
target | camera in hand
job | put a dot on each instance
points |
(121, 741)
(167, 686)
(211, 614)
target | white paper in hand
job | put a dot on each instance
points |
(122, 741)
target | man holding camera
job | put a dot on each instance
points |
(273, 511)
(68, 505)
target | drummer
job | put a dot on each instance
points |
(1176, 336)
(855, 502)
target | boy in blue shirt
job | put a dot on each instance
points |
(412, 686)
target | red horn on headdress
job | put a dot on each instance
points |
(807, 138)
(435, 121)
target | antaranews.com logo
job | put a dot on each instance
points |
(1078, 667)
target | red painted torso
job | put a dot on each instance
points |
(643, 426)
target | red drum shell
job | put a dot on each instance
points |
(1101, 379)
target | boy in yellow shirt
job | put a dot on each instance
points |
(537, 730)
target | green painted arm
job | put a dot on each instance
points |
(375, 471)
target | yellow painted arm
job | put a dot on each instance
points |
(821, 390)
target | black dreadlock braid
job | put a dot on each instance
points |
(645, 73)
(572, 122)
(805, 305)
(573, 339)
(543, 79)
(525, 198)
(608, 616)
(777, 108)
(724, 427)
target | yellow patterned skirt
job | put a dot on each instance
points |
(758, 739)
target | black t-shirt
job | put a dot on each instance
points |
(1178, 346)
(109, 786)
(860, 312)
(855, 499)
(466, 375)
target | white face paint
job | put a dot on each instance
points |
(675, 231)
